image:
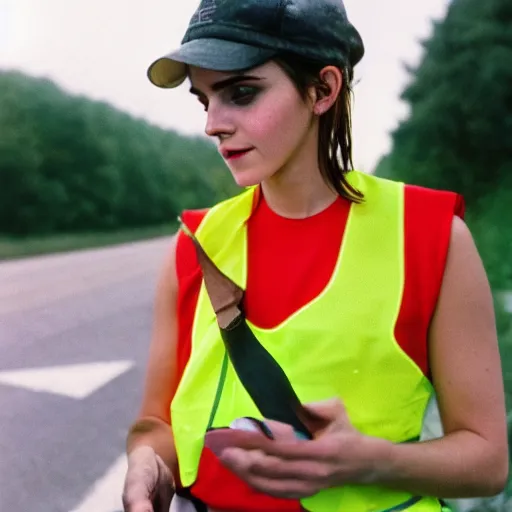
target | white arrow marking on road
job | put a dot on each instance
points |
(74, 381)
(105, 494)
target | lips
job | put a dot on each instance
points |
(230, 154)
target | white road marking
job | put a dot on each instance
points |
(74, 381)
(105, 494)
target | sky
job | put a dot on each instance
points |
(102, 48)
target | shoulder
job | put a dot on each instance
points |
(417, 198)
(463, 268)
(460, 231)
(462, 248)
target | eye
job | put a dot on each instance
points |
(204, 103)
(243, 95)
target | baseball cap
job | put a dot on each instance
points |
(235, 35)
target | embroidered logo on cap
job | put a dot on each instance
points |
(204, 13)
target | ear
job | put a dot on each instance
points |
(326, 95)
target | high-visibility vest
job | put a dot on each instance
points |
(341, 344)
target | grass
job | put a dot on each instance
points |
(21, 247)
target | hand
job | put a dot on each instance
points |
(291, 468)
(149, 485)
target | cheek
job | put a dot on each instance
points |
(276, 127)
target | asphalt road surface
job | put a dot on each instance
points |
(74, 335)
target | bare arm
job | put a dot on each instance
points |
(472, 458)
(152, 427)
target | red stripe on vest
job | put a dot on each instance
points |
(189, 285)
(428, 223)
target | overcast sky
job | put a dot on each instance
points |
(101, 48)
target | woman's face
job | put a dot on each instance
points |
(258, 117)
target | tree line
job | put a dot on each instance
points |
(458, 135)
(69, 164)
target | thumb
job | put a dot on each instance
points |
(330, 410)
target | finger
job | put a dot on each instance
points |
(243, 463)
(162, 501)
(317, 449)
(138, 506)
(282, 469)
(331, 409)
(335, 417)
(136, 495)
(219, 440)
(281, 431)
(239, 461)
(257, 463)
(140, 483)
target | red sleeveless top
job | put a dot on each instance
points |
(290, 261)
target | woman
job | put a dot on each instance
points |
(368, 294)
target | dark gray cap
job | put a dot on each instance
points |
(234, 35)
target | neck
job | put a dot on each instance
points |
(298, 190)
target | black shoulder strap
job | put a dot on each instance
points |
(260, 374)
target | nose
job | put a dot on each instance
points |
(218, 123)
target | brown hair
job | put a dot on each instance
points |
(335, 134)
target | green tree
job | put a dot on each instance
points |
(70, 164)
(458, 134)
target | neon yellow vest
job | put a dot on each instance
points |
(341, 344)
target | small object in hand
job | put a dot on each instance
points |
(245, 433)
(252, 425)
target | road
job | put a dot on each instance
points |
(74, 331)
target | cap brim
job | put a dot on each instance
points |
(216, 54)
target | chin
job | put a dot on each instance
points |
(247, 179)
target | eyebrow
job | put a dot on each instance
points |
(226, 83)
